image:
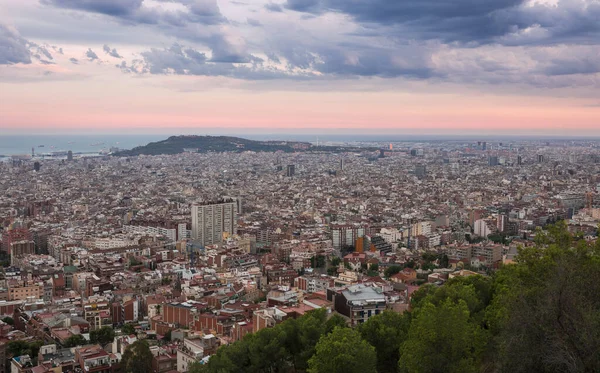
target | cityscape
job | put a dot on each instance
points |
(194, 250)
(299, 186)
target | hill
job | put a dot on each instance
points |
(204, 144)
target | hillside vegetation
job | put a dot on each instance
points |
(204, 144)
(541, 314)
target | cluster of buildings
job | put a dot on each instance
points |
(198, 250)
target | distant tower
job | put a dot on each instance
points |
(519, 160)
(70, 156)
(342, 164)
(493, 161)
(381, 153)
(32, 152)
(540, 158)
(484, 145)
(37, 166)
(291, 170)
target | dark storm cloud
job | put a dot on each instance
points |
(206, 12)
(117, 8)
(565, 66)
(13, 48)
(469, 21)
(111, 52)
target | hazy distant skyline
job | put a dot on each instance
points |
(384, 66)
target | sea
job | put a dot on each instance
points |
(78, 144)
(87, 144)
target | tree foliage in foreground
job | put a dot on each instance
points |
(541, 314)
(343, 351)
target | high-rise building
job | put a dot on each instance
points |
(210, 220)
(342, 164)
(493, 161)
(519, 160)
(420, 171)
(540, 158)
(345, 235)
(484, 145)
(291, 170)
(69, 155)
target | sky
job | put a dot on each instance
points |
(363, 66)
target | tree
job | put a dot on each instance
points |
(196, 367)
(545, 310)
(332, 271)
(20, 348)
(442, 339)
(103, 336)
(8, 320)
(128, 329)
(137, 358)
(343, 351)
(392, 270)
(75, 340)
(335, 261)
(444, 261)
(386, 332)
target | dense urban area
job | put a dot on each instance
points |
(441, 256)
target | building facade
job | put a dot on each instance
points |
(211, 220)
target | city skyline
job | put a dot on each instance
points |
(510, 66)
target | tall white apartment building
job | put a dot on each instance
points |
(210, 220)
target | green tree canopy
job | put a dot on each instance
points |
(386, 332)
(392, 270)
(103, 336)
(343, 351)
(443, 339)
(75, 340)
(137, 358)
(20, 348)
(546, 310)
(128, 329)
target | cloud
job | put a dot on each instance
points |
(117, 8)
(179, 60)
(274, 7)
(91, 55)
(570, 66)
(509, 22)
(254, 22)
(205, 12)
(74, 61)
(45, 52)
(198, 21)
(13, 48)
(111, 52)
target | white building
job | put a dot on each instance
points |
(190, 352)
(391, 235)
(481, 228)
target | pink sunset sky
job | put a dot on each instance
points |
(379, 66)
